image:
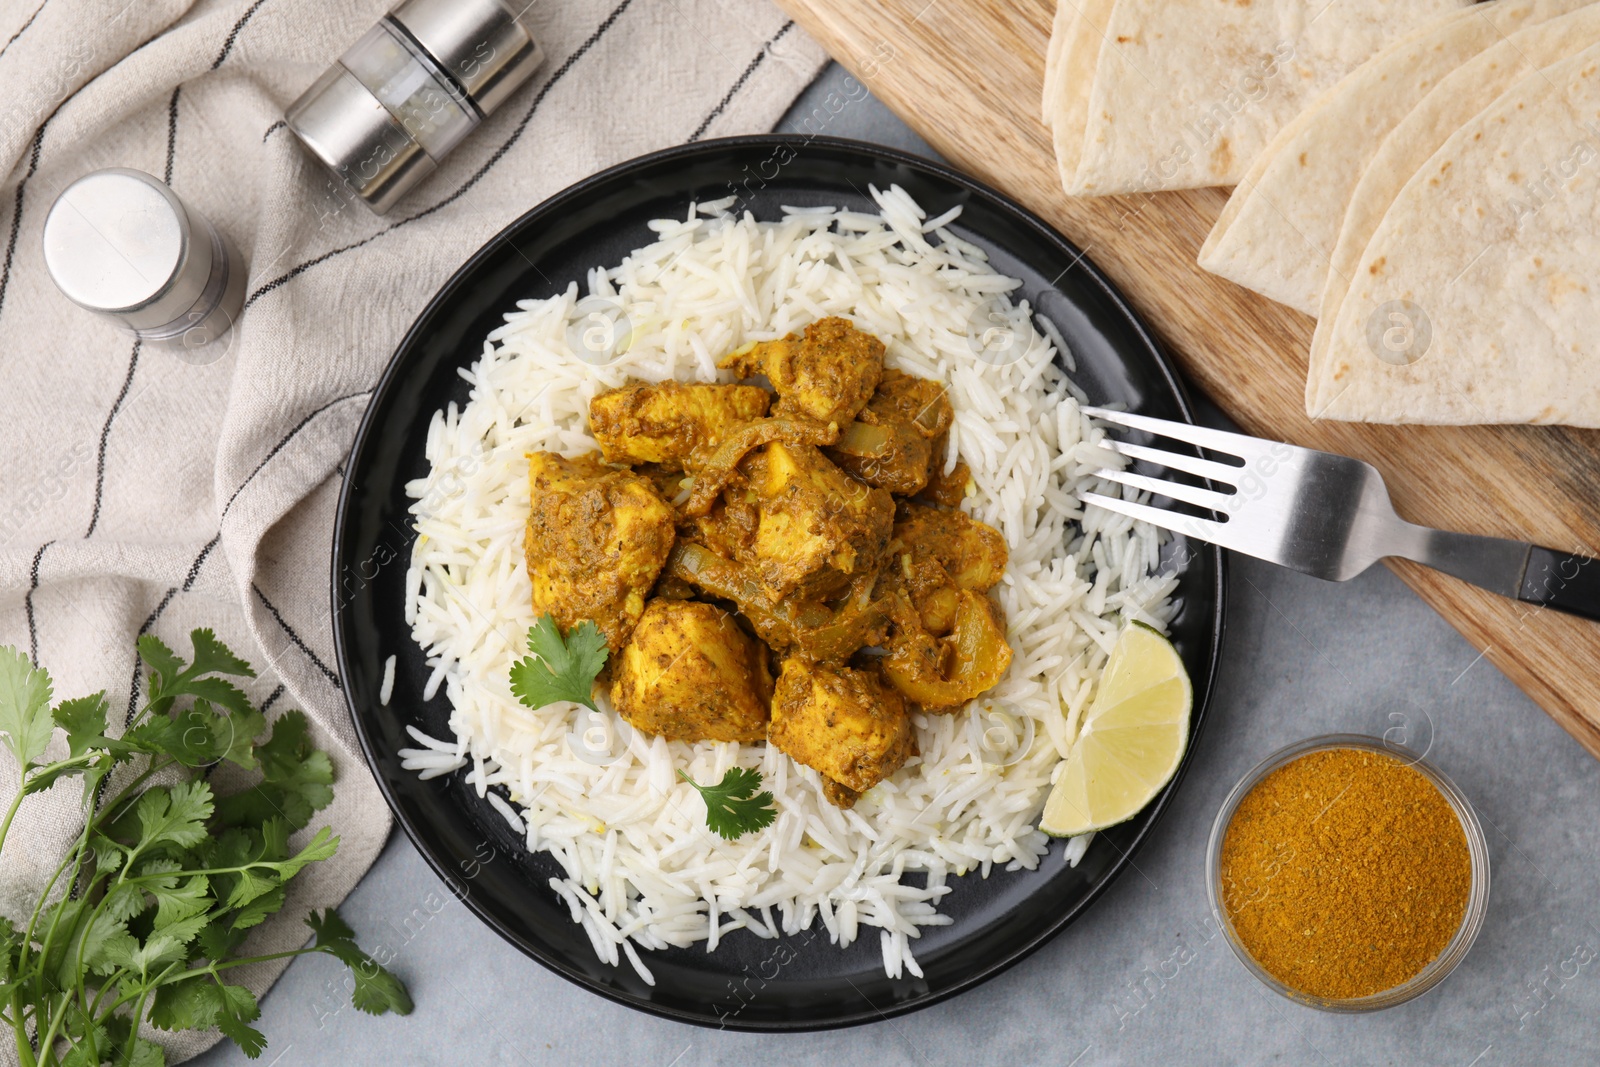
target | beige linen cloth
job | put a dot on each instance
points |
(141, 494)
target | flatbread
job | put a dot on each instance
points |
(1186, 92)
(1278, 231)
(1074, 78)
(1454, 102)
(1476, 300)
(1060, 30)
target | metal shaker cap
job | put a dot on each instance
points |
(358, 139)
(409, 90)
(121, 243)
(479, 43)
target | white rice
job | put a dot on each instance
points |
(386, 687)
(641, 868)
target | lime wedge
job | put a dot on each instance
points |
(1132, 740)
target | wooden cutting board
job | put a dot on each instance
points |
(966, 75)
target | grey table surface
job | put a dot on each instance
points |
(1143, 977)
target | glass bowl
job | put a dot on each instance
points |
(1477, 895)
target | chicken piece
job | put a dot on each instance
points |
(596, 540)
(689, 673)
(973, 553)
(664, 422)
(715, 470)
(894, 441)
(827, 375)
(817, 527)
(843, 722)
(948, 489)
(840, 796)
(923, 402)
(729, 528)
(890, 454)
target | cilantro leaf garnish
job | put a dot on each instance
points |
(733, 807)
(377, 991)
(84, 720)
(199, 1005)
(155, 899)
(296, 778)
(25, 722)
(177, 815)
(559, 668)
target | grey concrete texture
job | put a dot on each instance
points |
(1143, 977)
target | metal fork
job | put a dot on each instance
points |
(1326, 515)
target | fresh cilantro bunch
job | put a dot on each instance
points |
(145, 916)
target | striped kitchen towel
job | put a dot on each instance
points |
(141, 494)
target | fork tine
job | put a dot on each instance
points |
(1204, 529)
(1177, 461)
(1246, 448)
(1189, 494)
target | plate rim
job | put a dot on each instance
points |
(1077, 259)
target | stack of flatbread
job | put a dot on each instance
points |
(1144, 95)
(1437, 209)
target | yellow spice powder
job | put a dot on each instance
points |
(1345, 873)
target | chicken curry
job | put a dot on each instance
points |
(785, 565)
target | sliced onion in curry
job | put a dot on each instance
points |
(934, 419)
(713, 473)
(803, 626)
(775, 623)
(864, 439)
(945, 673)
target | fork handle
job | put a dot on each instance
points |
(1564, 581)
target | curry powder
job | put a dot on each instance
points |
(1345, 873)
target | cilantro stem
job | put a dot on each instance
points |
(141, 989)
(38, 908)
(112, 982)
(5, 827)
(188, 873)
(61, 906)
(212, 967)
(140, 993)
(20, 1030)
(46, 1053)
(76, 860)
(16, 801)
(138, 1014)
(139, 715)
(57, 1016)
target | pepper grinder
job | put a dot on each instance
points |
(406, 93)
(120, 243)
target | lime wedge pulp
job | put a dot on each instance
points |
(1133, 737)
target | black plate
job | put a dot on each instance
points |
(799, 983)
